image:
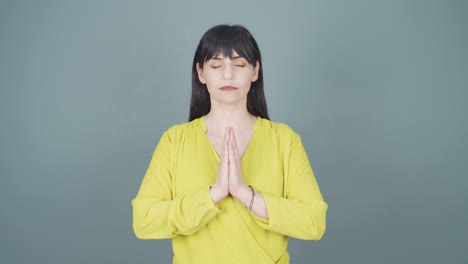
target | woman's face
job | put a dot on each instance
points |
(228, 80)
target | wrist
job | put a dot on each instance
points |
(216, 194)
(243, 194)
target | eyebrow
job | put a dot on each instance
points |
(233, 58)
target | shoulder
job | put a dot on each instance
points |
(278, 129)
(278, 133)
(180, 130)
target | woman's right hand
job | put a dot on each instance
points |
(220, 188)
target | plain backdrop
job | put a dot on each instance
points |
(376, 89)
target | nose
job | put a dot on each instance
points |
(228, 72)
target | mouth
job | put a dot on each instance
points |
(228, 88)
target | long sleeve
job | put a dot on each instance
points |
(174, 200)
(301, 211)
(156, 212)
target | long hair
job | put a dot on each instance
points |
(223, 39)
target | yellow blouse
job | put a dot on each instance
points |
(174, 199)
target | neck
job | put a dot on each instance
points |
(230, 115)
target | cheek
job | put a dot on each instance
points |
(210, 76)
(210, 82)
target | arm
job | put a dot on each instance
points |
(301, 212)
(157, 213)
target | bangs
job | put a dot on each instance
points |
(223, 41)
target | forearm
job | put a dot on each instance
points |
(154, 218)
(302, 219)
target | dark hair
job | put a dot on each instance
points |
(223, 39)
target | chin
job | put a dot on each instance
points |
(225, 100)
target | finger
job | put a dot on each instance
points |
(234, 145)
(224, 142)
(228, 149)
(230, 142)
(225, 161)
(223, 164)
(229, 129)
(234, 160)
(225, 152)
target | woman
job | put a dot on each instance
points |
(229, 186)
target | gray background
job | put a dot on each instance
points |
(377, 90)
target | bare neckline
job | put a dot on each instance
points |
(205, 129)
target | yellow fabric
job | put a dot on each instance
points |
(174, 199)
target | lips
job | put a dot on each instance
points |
(228, 88)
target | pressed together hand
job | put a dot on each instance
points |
(229, 179)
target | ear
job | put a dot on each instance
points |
(200, 74)
(256, 69)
